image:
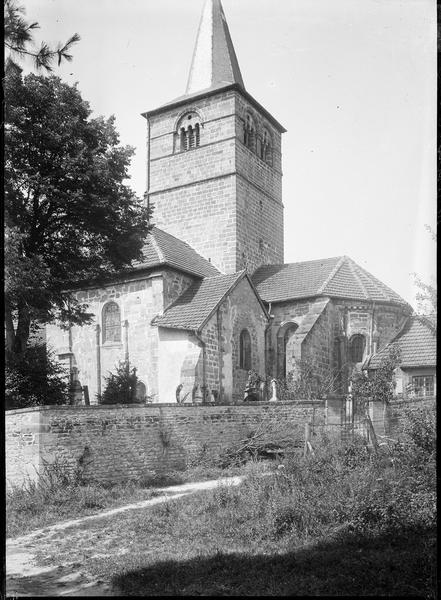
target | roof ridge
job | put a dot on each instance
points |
(352, 265)
(157, 247)
(331, 275)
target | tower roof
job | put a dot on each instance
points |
(214, 62)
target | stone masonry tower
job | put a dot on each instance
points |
(214, 160)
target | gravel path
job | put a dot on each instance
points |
(25, 577)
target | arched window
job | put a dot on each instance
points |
(266, 151)
(356, 348)
(285, 356)
(188, 134)
(245, 350)
(111, 323)
(249, 132)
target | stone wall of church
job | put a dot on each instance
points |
(187, 361)
(84, 350)
(240, 310)
(287, 311)
(174, 284)
(318, 347)
(327, 343)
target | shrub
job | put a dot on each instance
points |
(121, 388)
(420, 428)
(35, 378)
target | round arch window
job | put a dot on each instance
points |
(245, 350)
(356, 348)
(111, 322)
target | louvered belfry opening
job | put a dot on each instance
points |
(189, 132)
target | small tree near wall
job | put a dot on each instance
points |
(121, 387)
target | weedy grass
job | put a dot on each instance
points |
(343, 521)
(60, 494)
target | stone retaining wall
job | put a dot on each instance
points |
(116, 443)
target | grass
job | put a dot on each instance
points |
(60, 496)
(341, 522)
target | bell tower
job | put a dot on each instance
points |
(214, 159)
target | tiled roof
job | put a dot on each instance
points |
(338, 277)
(417, 342)
(161, 248)
(194, 307)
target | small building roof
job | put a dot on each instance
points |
(337, 277)
(163, 249)
(417, 343)
(196, 305)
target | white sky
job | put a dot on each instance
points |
(353, 82)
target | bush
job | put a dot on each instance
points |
(121, 388)
(35, 378)
(420, 428)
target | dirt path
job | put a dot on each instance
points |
(28, 576)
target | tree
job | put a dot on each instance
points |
(378, 385)
(35, 378)
(427, 296)
(121, 388)
(19, 41)
(69, 217)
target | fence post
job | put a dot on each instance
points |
(307, 438)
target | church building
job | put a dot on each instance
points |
(212, 298)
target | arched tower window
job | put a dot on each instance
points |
(188, 132)
(356, 348)
(266, 149)
(245, 350)
(111, 322)
(249, 132)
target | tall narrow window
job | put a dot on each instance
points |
(249, 132)
(266, 147)
(245, 350)
(190, 133)
(111, 323)
(197, 134)
(356, 348)
(183, 139)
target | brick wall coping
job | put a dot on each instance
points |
(82, 407)
(420, 399)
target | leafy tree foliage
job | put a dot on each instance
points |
(427, 295)
(121, 388)
(379, 384)
(35, 378)
(18, 40)
(69, 216)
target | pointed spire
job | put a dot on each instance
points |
(214, 61)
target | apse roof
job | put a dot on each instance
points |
(338, 277)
